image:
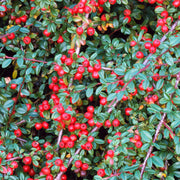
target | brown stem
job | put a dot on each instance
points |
(59, 138)
(27, 59)
(165, 124)
(151, 147)
(21, 122)
(157, 131)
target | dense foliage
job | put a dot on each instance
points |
(89, 89)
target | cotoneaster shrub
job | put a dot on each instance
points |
(89, 89)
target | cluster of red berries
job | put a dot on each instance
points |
(151, 99)
(127, 13)
(94, 70)
(87, 7)
(44, 107)
(148, 89)
(39, 125)
(57, 84)
(78, 164)
(68, 142)
(115, 123)
(19, 20)
(136, 140)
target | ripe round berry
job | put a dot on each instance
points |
(101, 172)
(27, 160)
(60, 39)
(79, 30)
(84, 166)
(139, 55)
(103, 101)
(45, 125)
(90, 31)
(46, 33)
(78, 163)
(46, 170)
(138, 144)
(18, 132)
(127, 12)
(115, 122)
(13, 86)
(133, 43)
(38, 126)
(156, 43)
(11, 36)
(128, 111)
(58, 162)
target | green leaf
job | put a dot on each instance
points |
(89, 92)
(130, 74)
(2, 8)
(131, 168)
(25, 92)
(159, 10)
(119, 71)
(79, 88)
(8, 103)
(174, 40)
(146, 136)
(140, 35)
(111, 96)
(20, 62)
(75, 97)
(21, 110)
(178, 148)
(157, 161)
(98, 90)
(120, 95)
(159, 84)
(96, 177)
(13, 29)
(115, 23)
(24, 30)
(99, 141)
(6, 63)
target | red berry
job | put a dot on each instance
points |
(46, 33)
(38, 126)
(79, 30)
(138, 144)
(45, 125)
(60, 39)
(156, 43)
(127, 12)
(49, 156)
(90, 31)
(84, 166)
(133, 43)
(46, 170)
(11, 36)
(128, 18)
(103, 101)
(18, 133)
(139, 55)
(35, 144)
(27, 160)
(78, 163)
(101, 172)
(128, 111)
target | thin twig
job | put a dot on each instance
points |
(157, 131)
(59, 138)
